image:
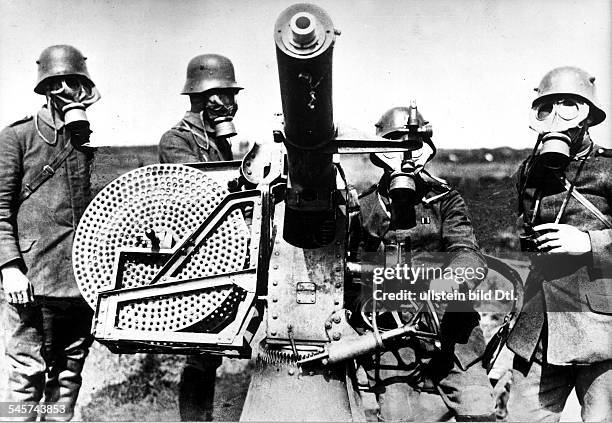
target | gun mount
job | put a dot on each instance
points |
(190, 258)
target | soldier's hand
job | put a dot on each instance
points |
(562, 239)
(17, 287)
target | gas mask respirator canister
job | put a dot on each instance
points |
(70, 97)
(219, 111)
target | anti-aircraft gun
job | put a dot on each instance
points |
(200, 257)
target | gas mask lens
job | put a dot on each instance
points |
(558, 115)
(221, 105)
(566, 109)
(73, 90)
(220, 110)
(70, 96)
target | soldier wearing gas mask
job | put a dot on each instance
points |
(562, 336)
(44, 188)
(409, 206)
(202, 136)
(203, 133)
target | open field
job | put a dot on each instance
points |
(143, 387)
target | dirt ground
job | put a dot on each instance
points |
(143, 387)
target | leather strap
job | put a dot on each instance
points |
(588, 205)
(46, 173)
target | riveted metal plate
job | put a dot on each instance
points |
(290, 269)
(306, 293)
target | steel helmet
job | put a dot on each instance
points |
(209, 71)
(575, 81)
(60, 60)
(393, 122)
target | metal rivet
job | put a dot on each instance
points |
(276, 253)
(274, 299)
(275, 266)
(337, 302)
(337, 319)
(274, 283)
(328, 325)
(338, 285)
(275, 316)
(337, 336)
(291, 372)
(273, 333)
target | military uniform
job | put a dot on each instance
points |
(562, 338)
(190, 141)
(454, 383)
(37, 235)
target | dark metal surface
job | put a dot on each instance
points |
(304, 37)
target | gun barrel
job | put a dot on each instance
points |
(304, 37)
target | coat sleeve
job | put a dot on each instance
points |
(459, 241)
(601, 240)
(10, 185)
(601, 248)
(175, 149)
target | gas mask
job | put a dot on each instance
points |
(219, 111)
(402, 169)
(70, 96)
(561, 125)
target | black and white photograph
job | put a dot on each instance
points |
(337, 211)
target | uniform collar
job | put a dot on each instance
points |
(585, 148)
(195, 119)
(376, 217)
(45, 115)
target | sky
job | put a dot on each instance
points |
(471, 65)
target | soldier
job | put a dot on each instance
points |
(47, 322)
(202, 136)
(562, 336)
(409, 201)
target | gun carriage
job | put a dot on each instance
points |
(200, 257)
